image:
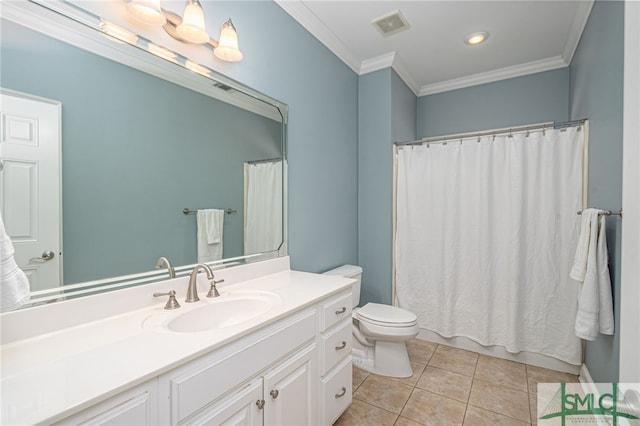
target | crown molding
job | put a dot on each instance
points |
(533, 67)
(402, 71)
(576, 29)
(377, 63)
(310, 22)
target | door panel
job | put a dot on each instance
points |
(30, 185)
(289, 391)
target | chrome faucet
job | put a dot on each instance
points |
(172, 271)
(192, 290)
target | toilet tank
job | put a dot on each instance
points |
(350, 271)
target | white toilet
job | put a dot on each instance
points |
(379, 332)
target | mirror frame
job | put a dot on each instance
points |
(75, 26)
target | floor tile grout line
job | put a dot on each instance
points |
(474, 380)
(380, 408)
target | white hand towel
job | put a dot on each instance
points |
(14, 285)
(210, 233)
(595, 305)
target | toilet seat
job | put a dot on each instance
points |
(386, 316)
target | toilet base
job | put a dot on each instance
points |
(384, 359)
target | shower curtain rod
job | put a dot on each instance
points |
(269, 160)
(495, 132)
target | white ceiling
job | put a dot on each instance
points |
(524, 37)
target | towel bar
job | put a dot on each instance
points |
(607, 213)
(187, 211)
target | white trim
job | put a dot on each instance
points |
(587, 380)
(577, 27)
(392, 60)
(378, 63)
(301, 13)
(630, 251)
(402, 70)
(533, 67)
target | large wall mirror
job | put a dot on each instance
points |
(142, 138)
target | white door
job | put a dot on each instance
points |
(289, 391)
(243, 408)
(30, 185)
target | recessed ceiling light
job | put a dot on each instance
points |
(476, 38)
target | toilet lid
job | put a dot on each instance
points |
(386, 314)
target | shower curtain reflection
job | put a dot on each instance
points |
(263, 206)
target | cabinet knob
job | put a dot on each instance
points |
(342, 346)
(260, 404)
(341, 394)
(274, 393)
(341, 311)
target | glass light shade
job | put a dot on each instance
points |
(147, 11)
(227, 49)
(192, 28)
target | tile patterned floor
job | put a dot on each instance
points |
(449, 387)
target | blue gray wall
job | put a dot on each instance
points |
(596, 94)
(529, 99)
(284, 61)
(387, 113)
(136, 150)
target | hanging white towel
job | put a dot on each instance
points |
(595, 304)
(14, 285)
(210, 233)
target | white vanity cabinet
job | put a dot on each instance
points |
(335, 352)
(283, 354)
(294, 370)
(136, 406)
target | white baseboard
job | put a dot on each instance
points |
(498, 351)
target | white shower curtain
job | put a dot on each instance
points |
(486, 233)
(263, 207)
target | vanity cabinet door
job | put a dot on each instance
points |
(242, 408)
(137, 406)
(290, 390)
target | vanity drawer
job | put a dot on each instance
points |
(193, 387)
(335, 345)
(335, 310)
(336, 391)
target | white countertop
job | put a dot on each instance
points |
(51, 376)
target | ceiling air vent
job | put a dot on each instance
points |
(391, 23)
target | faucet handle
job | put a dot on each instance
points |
(172, 303)
(213, 291)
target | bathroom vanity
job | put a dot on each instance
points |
(274, 348)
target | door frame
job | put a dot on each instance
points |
(630, 269)
(58, 106)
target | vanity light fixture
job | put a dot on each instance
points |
(190, 28)
(227, 49)
(147, 11)
(476, 38)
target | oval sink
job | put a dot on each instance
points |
(211, 314)
(221, 314)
